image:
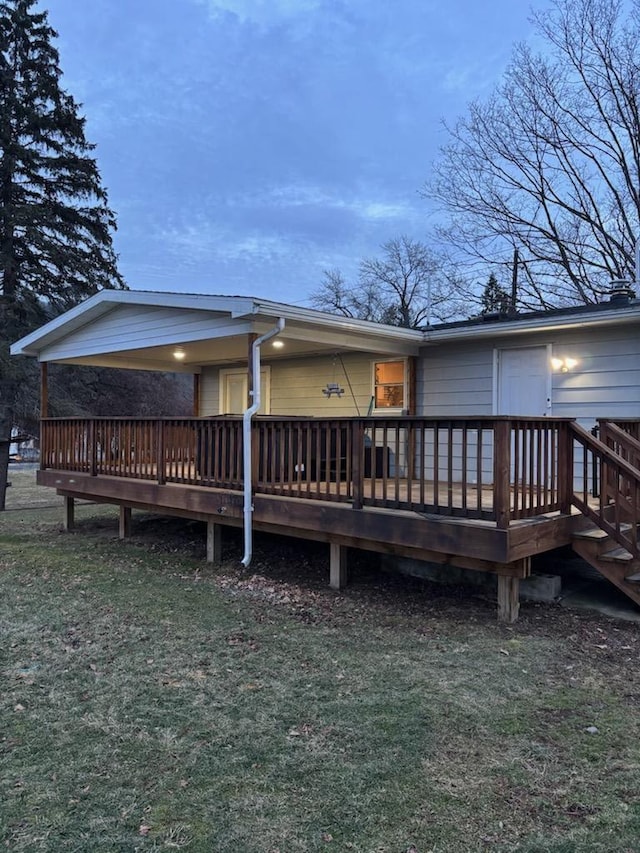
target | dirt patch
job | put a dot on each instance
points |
(293, 574)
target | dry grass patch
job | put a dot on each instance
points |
(150, 702)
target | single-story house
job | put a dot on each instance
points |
(360, 434)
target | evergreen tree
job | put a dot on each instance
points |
(55, 222)
(494, 297)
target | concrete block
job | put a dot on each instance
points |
(541, 587)
(538, 587)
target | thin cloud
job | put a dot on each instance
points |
(262, 12)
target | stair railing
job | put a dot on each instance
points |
(618, 508)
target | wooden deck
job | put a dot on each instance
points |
(479, 493)
(495, 469)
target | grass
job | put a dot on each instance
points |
(151, 702)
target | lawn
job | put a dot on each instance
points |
(152, 702)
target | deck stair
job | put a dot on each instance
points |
(613, 561)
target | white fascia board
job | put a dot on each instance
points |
(63, 325)
(347, 325)
(616, 316)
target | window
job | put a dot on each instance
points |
(389, 391)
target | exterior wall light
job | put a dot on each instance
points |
(564, 365)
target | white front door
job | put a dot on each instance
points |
(524, 382)
(234, 391)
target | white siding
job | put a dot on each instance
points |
(606, 380)
(127, 327)
(455, 380)
(296, 386)
(209, 391)
(458, 379)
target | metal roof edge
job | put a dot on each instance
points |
(322, 318)
(617, 314)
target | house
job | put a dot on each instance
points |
(466, 443)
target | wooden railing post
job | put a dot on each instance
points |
(256, 445)
(45, 442)
(565, 467)
(501, 472)
(92, 449)
(607, 476)
(160, 462)
(357, 468)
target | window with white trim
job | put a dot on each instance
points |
(389, 385)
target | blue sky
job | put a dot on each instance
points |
(247, 145)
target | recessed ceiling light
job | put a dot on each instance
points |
(277, 344)
(179, 353)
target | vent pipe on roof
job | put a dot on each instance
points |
(246, 438)
(621, 292)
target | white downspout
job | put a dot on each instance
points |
(246, 438)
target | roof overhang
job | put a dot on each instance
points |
(208, 329)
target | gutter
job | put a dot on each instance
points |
(246, 438)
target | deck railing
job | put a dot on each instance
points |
(495, 469)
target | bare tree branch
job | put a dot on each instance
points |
(551, 162)
(408, 285)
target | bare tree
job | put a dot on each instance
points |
(407, 286)
(550, 164)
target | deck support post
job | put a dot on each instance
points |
(124, 527)
(508, 598)
(44, 390)
(69, 513)
(337, 565)
(214, 542)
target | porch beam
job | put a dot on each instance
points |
(197, 390)
(44, 389)
(250, 341)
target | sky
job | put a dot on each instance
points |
(249, 145)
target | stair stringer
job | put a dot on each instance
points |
(615, 570)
